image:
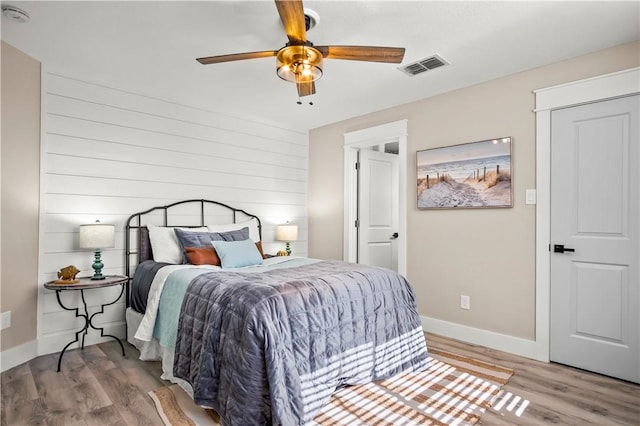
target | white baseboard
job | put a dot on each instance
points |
(55, 343)
(18, 355)
(515, 345)
(490, 339)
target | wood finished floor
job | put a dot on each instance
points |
(97, 386)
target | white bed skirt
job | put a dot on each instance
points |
(152, 351)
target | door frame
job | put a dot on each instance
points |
(353, 141)
(608, 86)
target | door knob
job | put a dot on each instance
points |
(394, 236)
(560, 248)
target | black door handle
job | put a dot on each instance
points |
(560, 248)
(394, 236)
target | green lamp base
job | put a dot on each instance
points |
(97, 267)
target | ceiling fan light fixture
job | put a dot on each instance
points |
(299, 63)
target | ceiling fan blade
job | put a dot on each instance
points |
(306, 89)
(236, 57)
(392, 55)
(292, 16)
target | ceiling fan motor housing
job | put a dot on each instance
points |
(311, 18)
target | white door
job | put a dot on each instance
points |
(378, 209)
(595, 191)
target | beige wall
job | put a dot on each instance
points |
(20, 182)
(488, 254)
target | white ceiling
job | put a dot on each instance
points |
(150, 47)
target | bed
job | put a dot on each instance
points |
(260, 339)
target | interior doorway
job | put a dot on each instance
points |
(377, 213)
(386, 137)
(608, 86)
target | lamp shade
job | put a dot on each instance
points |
(287, 232)
(97, 236)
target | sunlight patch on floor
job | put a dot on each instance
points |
(511, 403)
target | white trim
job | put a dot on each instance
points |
(477, 336)
(43, 199)
(54, 343)
(588, 90)
(594, 89)
(18, 355)
(350, 204)
(390, 132)
(543, 233)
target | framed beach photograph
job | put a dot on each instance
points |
(470, 175)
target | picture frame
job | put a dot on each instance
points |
(469, 175)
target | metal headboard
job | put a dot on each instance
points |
(138, 226)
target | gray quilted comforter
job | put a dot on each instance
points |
(270, 348)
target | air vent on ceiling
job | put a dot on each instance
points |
(423, 65)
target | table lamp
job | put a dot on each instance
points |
(97, 236)
(287, 233)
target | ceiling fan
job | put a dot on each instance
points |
(299, 61)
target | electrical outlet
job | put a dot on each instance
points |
(6, 320)
(465, 302)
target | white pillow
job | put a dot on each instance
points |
(252, 224)
(164, 243)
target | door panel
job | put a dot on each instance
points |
(600, 289)
(378, 209)
(595, 295)
(602, 175)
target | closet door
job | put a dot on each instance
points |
(595, 191)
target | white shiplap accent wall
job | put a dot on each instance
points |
(108, 153)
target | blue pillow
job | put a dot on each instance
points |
(236, 254)
(203, 239)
